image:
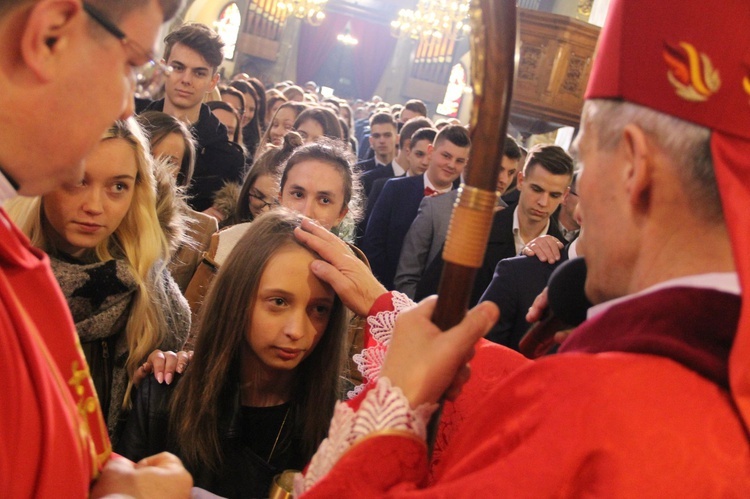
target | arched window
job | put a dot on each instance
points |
(228, 28)
(454, 94)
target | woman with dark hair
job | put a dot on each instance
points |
(250, 118)
(259, 395)
(345, 111)
(259, 193)
(274, 100)
(259, 189)
(346, 115)
(346, 135)
(225, 200)
(251, 99)
(233, 97)
(260, 108)
(316, 122)
(172, 141)
(230, 119)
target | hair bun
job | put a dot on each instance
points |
(292, 140)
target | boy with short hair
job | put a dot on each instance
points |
(195, 52)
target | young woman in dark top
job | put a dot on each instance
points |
(250, 118)
(260, 109)
(260, 391)
(317, 122)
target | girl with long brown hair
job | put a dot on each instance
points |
(261, 387)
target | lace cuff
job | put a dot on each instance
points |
(384, 408)
(378, 331)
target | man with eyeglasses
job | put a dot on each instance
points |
(194, 52)
(84, 62)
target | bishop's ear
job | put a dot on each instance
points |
(640, 161)
(46, 33)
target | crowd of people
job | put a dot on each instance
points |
(207, 283)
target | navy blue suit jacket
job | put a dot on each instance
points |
(388, 224)
(367, 165)
(370, 199)
(369, 177)
(515, 285)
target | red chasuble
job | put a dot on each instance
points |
(638, 405)
(54, 440)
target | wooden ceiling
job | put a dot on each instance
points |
(379, 11)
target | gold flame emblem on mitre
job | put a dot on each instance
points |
(691, 72)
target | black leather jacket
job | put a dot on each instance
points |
(242, 473)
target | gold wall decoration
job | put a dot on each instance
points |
(584, 9)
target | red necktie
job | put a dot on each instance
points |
(429, 192)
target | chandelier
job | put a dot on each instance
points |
(347, 39)
(309, 10)
(433, 18)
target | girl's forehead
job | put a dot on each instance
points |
(322, 172)
(112, 157)
(289, 268)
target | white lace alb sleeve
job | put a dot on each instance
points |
(379, 328)
(384, 408)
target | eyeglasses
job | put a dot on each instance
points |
(259, 202)
(148, 78)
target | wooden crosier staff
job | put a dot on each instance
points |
(493, 56)
(493, 43)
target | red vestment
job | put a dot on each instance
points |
(638, 405)
(54, 440)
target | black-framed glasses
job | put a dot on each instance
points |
(148, 78)
(260, 202)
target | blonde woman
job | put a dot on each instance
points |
(109, 254)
